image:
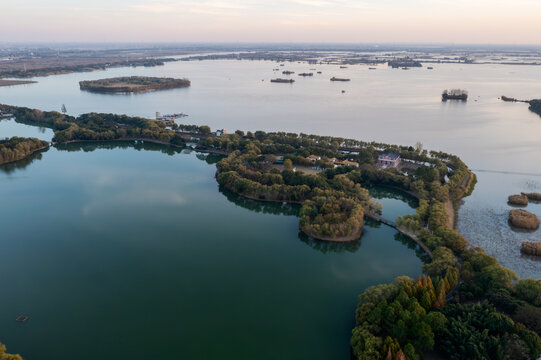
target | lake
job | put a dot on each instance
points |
(388, 105)
(132, 251)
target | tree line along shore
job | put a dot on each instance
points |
(465, 305)
(46, 67)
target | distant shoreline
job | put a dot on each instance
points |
(16, 82)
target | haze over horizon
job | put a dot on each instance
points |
(319, 21)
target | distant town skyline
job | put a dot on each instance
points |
(351, 21)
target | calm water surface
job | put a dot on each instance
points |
(8, 128)
(389, 105)
(134, 252)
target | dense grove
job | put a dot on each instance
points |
(332, 217)
(491, 317)
(132, 84)
(18, 148)
(333, 208)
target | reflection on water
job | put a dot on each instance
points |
(394, 202)
(387, 105)
(89, 146)
(329, 246)
(22, 164)
(94, 235)
(261, 206)
(110, 145)
(10, 127)
(414, 246)
(382, 192)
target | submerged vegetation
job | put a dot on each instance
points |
(128, 84)
(518, 199)
(523, 219)
(465, 306)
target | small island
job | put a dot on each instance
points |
(334, 78)
(518, 200)
(132, 84)
(280, 80)
(523, 219)
(454, 94)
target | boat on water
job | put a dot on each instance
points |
(343, 67)
(454, 94)
(306, 74)
(372, 68)
(319, 72)
(287, 72)
(430, 68)
(339, 79)
(279, 80)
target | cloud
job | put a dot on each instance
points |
(155, 9)
(133, 198)
(315, 3)
(219, 8)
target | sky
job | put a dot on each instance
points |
(346, 21)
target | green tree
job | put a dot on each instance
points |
(288, 164)
(5, 356)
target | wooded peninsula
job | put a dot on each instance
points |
(18, 148)
(131, 84)
(464, 306)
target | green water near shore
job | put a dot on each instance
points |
(132, 251)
